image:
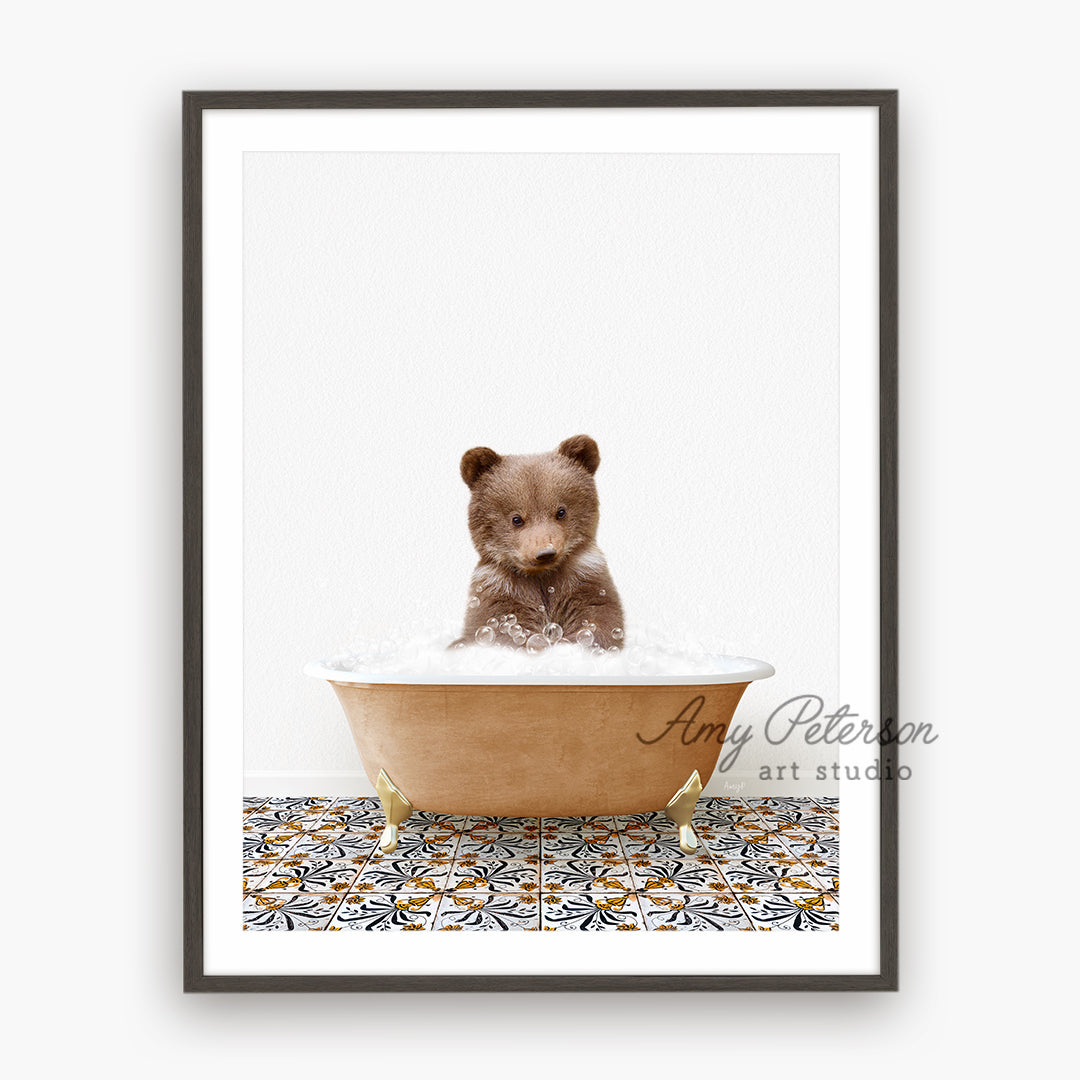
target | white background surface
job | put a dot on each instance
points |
(91, 430)
(683, 309)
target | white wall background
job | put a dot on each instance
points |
(400, 308)
(91, 434)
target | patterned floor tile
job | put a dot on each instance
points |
(764, 864)
(503, 824)
(426, 844)
(487, 911)
(389, 874)
(311, 876)
(356, 802)
(791, 911)
(254, 872)
(385, 911)
(745, 825)
(426, 819)
(567, 844)
(663, 846)
(471, 873)
(285, 911)
(498, 845)
(706, 831)
(438, 831)
(587, 875)
(734, 845)
(684, 875)
(354, 817)
(331, 828)
(723, 804)
(579, 824)
(693, 911)
(307, 803)
(727, 819)
(820, 864)
(799, 821)
(336, 845)
(598, 833)
(651, 822)
(773, 802)
(803, 845)
(775, 875)
(267, 820)
(828, 873)
(590, 911)
(258, 845)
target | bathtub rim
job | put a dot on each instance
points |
(751, 671)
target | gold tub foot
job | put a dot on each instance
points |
(681, 810)
(396, 808)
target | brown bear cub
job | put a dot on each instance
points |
(533, 522)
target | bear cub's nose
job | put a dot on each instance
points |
(546, 554)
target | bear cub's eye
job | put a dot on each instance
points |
(561, 513)
(516, 519)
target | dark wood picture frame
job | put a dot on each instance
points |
(194, 105)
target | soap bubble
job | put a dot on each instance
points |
(603, 592)
(551, 588)
(474, 602)
(681, 645)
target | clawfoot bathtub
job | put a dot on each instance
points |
(541, 746)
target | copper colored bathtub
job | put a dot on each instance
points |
(556, 746)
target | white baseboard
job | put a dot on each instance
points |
(346, 782)
(296, 782)
(749, 785)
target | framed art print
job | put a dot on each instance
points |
(540, 540)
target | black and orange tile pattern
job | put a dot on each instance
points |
(763, 864)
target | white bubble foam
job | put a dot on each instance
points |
(647, 650)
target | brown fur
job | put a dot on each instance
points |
(547, 569)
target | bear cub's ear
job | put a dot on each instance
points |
(583, 450)
(476, 462)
